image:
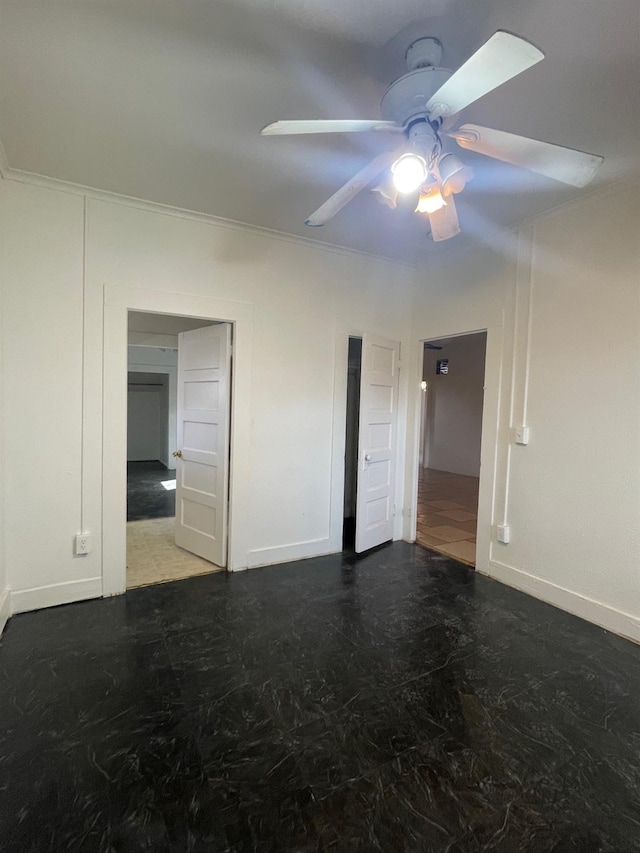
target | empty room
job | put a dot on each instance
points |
(319, 418)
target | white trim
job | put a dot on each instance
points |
(34, 179)
(5, 608)
(435, 259)
(338, 442)
(288, 553)
(618, 621)
(153, 340)
(488, 444)
(58, 593)
(117, 302)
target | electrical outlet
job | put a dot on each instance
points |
(503, 533)
(82, 543)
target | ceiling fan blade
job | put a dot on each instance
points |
(286, 128)
(344, 195)
(444, 222)
(499, 59)
(576, 168)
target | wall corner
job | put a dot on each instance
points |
(5, 608)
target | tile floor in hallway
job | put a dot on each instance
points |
(448, 514)
(153, 556)
(392, 703)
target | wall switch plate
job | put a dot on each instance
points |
(82, 543)
(503, 533)
(522, 435)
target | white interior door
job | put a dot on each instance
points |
(377, 442)
(202, 466)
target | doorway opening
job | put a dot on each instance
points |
(354, 369)
(156, 399)
(369, 508)
(452, 401)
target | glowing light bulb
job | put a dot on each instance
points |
(430, 200)
(409, 171)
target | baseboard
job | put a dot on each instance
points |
(288, 553)
(23, 600)
(618, 621)
(5, 608)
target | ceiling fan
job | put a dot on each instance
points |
(422, 107)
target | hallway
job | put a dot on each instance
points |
(448, 514)
(152, 555)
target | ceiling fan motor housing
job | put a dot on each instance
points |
(407, 98)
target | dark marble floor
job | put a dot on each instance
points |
(146, 498)
(397, 702)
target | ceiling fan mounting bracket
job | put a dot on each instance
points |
(423, 53)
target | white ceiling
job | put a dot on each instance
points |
(164, 100)
(164, 324)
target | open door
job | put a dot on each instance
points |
(377, 442)
(202, 466)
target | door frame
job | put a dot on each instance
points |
(369, 342)
(118, 301)
(488, 440)
(338, 443)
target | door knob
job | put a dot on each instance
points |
(177, 453)
(367, 457)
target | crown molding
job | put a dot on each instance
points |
(436, 260)
(19, 176)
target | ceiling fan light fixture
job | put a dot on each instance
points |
(418, 105)
(386, 193)
(453, 174)
(409, 172)
(430, 199)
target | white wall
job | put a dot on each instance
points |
(563, 356)
(146, 422)
(454, 405)
(305, 301)
(161, 324)
(41, 269)
(158, 330)
(5, 603)
(561, 306)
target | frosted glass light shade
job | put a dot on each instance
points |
(453, 174)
